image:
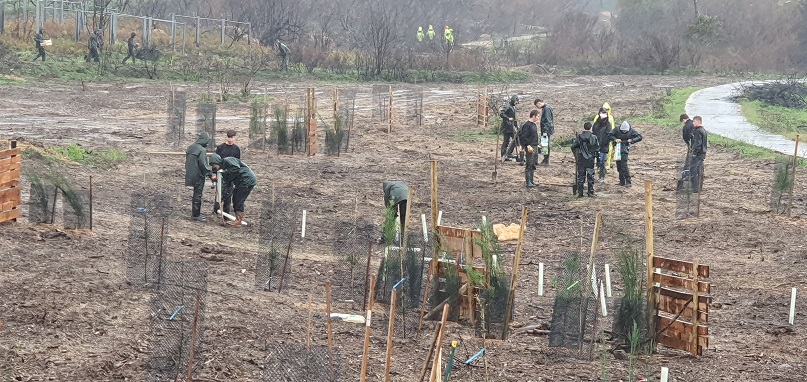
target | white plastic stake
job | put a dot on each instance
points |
(594, 283)
(425, 229)
(607, 281)
(602, 301)
(540, 279)
(439, 217)
(792, 306)
(665, 374)
(303, 229)
(484, 220)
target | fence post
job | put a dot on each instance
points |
(111, 29)
(197, 31)
(174, 33)
(249, 33)
(145, 37)
(61, 11)
(150, 27)
(223, 26)
(37, 21)
(78, 25)
(2, 17)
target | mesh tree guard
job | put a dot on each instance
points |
(76, 207)
(178, 322)
(780, 188)
(42, 202)
(381, 103)
(177, 107)
(277, 229)
(258, 125)
(352, 247)
(409, 287)
(147, 244)
(688, 202)
(206, 121)
(574, 314)
(290, 362)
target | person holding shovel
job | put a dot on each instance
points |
(237, 177)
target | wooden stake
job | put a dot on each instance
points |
(389, 116)
(439, 344)
(390, 333)
(404, 229)
(312, 123)
(330, 328)
(367, 330)
(588, 285)
(649, 251)
(367, 274)
(433, 265)
(286, 261)
(308, 332)
(335, 105)
(514, 280)
(430, 353)
(194, 335)
(53, 210)
(90, 202)
(792, 177)
(695, 311)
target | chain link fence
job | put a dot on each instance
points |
(291, 362)
(352, 248)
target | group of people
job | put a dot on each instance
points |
(237, 178)
(94, 46)
(448, 33)
(597, 146)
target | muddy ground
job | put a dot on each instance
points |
(67, 313)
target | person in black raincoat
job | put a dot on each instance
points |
(196, 170)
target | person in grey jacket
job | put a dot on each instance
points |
(626, 136)
(396, 193)
(196, 170)
(547, 125)
(699, 143)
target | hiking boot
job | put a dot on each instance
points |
(239, 217)
(199, 218)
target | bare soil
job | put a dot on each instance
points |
(66, 313)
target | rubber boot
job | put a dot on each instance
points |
(580, 189)
(527, 182)
(532, 179)
(602, 174)
(239, 217)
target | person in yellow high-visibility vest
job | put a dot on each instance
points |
(430, 33)
(449, 34)
(420, 34)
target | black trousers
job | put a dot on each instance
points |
(401, 212)
(624, 171)
(531, 159)
(507, 139)
(130, 55)
(196, 200)
(227, 192)
(585, 173)
(40, 54)
(239, 197)
(696, 172)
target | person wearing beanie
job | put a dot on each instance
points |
(587, 147)
(626, 136)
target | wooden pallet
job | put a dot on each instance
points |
(10, 197)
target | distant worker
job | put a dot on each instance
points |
(430, 33)
(449, 34)
(420, 34)
(698, 143)
(587, 147)
(396, 193)
(94, 46)
(226, 150)
(547, 126)
(686, 131)
(530, 144)
(132, 45)
(39, 39)
(196, 170)
(508, 129)
(284, 52)
(603, 125)
(626, 136)
(237, 178)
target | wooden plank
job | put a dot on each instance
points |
(679, 326)
(10, 153)
(673, 306)
(9, 215)
(679, 344)
(10, 184)
(7, 206)
(665, 291)
(10, 160)
(451, 231)
(681, 282)
(8, 176)
(10, 167)
(679, 266)
(10, 195)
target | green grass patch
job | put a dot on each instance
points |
(103, 158)
(780, 120)
(667, 110)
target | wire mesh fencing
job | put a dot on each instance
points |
(381, 98)
(42, 202)
(352, 248)
(206, 122)
(292, 362)
(76, 209)
(575, 310)
(687, 201)
(177, 108)
(147, 243)
(258, 125)
(347, 113)
(276, 232)
(781, 186)
(178, 322)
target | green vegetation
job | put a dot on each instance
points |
(74, 153)
(780, 120)
(666, 114)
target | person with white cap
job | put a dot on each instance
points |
(626, 136)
